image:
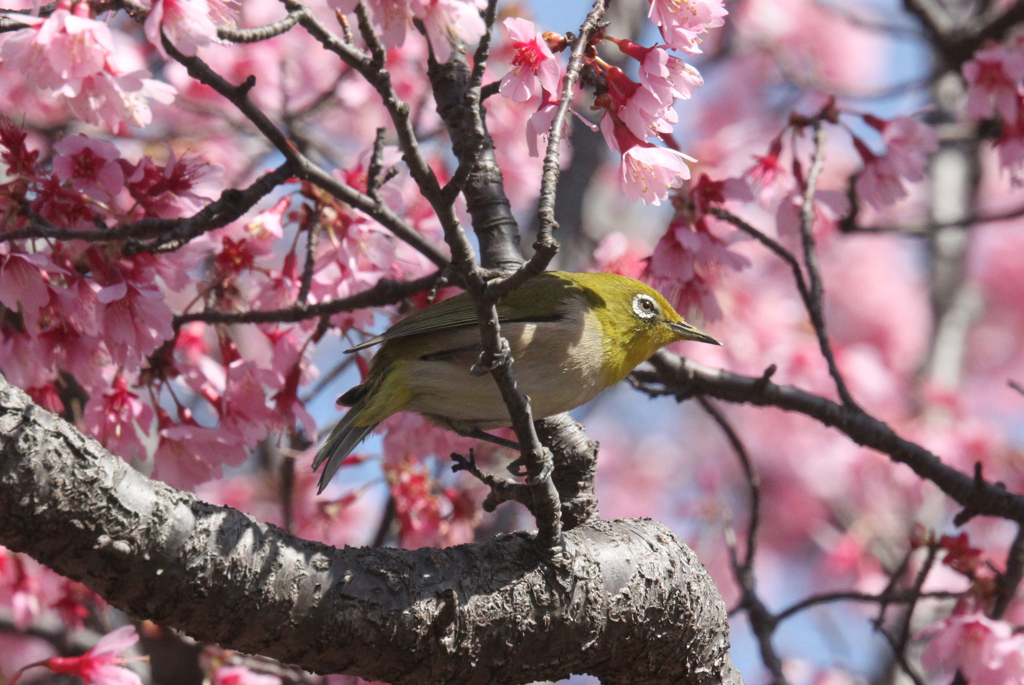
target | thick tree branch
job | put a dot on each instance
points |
(637, 607)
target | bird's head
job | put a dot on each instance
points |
(636, 321)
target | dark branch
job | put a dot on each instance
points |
(684, 378)
(817, 292)
(384, 293)
(641, 608)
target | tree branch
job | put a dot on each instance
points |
(817, 291)
(683, 378)
(638, 606)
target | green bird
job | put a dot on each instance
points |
(571, 336)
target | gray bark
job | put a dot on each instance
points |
(633, 604)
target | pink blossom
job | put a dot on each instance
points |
(20, 161)
(112, 419)
(181, 187)
(533, 63)
(666, 76)
(617, 254)
(646, 171)
(245, 411)
(24, 284)
(240, 675)
(688, 260)
(27, 361)
(186, 23)
(391, 17)
(986, 651)
(62, 48)
(113, 97)
(880, 182)
(135, 320)
(683, 21)
(91, 165)
(639, 107)
(104, 663)
(74, 56)
(20, 587)
(447, 20)
(908, 143)
(189, 454)
(992, 78)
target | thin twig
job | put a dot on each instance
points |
(753, 481)
(892, 598)
(312, 238)
(384, 293)
(231, 204)
(771, 244)
(258, 34)
(817, 291)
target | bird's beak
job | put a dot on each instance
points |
(689, 332)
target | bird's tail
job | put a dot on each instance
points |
(342, 440)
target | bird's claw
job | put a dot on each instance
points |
(547, 467)
(517, 467)
(484, 365)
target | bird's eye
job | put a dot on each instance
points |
(645, 307)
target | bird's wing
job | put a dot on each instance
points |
(522, 305)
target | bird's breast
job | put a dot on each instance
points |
(558, 364)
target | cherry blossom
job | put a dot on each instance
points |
(986, 651)
(881, 181)
(135, 318)
(639, 107)
(188, 24)
(992, 80)
(449, 19)
(666, 76)
(908, 143)
(687, 262)
(115, 417)
(189, 454)
(24, 283)
(240, 675)
(180, 187)
(683, 21)
(91, 166)
(104, 663)
(65, 47)
(74, 56)
(533, 63)
(647, 171)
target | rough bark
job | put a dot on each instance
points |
(634, 604)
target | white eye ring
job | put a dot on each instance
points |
(645, 307)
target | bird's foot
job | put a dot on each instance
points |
(547, 467)
(489, 362)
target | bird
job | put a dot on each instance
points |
(570, 335)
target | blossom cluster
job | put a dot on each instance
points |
(633, 113)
